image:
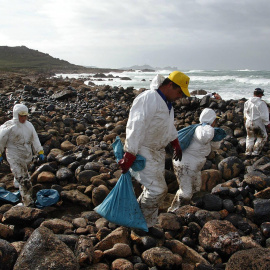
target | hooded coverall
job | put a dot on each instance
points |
(20, 141)
(188, 170)
(150, 128)
(256, 116)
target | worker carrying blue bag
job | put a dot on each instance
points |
(197, 141)
(121, 206)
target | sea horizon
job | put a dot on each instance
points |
(230, 84)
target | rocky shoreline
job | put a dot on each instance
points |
(227, 226)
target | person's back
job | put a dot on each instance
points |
(256, 117)
(200, 144)
(255, 108)
(188, 170)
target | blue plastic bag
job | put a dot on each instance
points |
(219, 134)
(185, 136)
(8, 196)
(47, 197)
(121, 206)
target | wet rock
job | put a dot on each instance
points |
(261, 210)
(220, 236)
(256, 180)
(212, 202)
(99, 194)
(122, 264)
(76, 197)
(5, 231)
(119, 235)
(118, 250)
(161, 257)
(263, 194)
(44, 250)
(82, 140)
(66, 146)
(8, 255)
(255, 258)
(265, 228)
(84, 177)
(22, 215)
(46, 177)
(58, 226)
(231, 167)
(169, 221)
(210, 178)
(84, 250)
(64, 174)
(69, 240)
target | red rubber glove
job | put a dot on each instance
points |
(177, 155)
(126, 162)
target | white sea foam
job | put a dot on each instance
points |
(230, 84)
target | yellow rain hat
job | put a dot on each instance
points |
(180, 79)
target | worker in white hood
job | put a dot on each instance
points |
(188, 170)
(18, 136)
(150, 128)
(256, 117)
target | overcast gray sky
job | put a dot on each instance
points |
(188, 34)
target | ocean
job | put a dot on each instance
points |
(229, 84)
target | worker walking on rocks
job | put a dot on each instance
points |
(18, 136)
(150, 128)
(188, 170)
(256, 117)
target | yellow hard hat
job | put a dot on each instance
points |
(180, 79)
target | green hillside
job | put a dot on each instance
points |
(22, 58)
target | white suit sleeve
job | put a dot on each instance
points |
(140, 116)
(173, 130)
(36, 143)
(264, 113)
(4, 135)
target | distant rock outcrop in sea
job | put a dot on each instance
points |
(149, 68)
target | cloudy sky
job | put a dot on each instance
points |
(188, 34)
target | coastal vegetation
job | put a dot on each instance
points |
(24, 60)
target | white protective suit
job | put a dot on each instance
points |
(150, 128)
(256, 115)
(188, 170)
(20, 141)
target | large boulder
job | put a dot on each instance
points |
(162, 258)
(220, 236)
(252, 259)
(8, 255)
(43, 251)
(231, 167)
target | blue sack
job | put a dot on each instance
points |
(47, 197)
(121, 206)
(185, 136)
(8, 196)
